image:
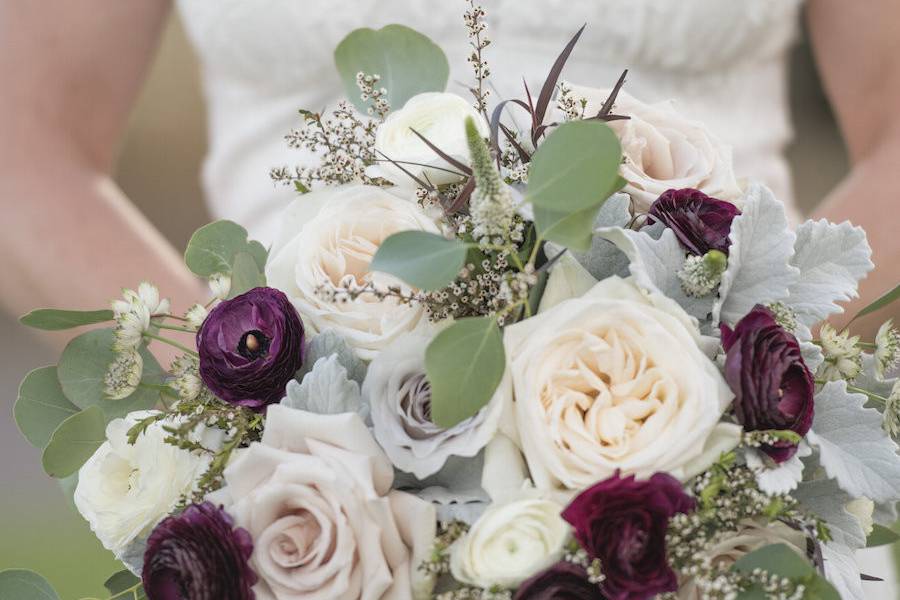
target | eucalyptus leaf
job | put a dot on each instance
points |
(245, 274)
(777, 559)
(464, 364)
(573, 169)
(41, 406)
(424, 260)
(22, 584)
(120, 582)
(408, 62)
(881, 536)
(572, 230)
(213, 247)
(83, 366)
(52, 319)
(73, 442)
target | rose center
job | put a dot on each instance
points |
(253, 345)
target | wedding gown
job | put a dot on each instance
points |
(722, 61)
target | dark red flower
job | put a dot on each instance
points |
(623, 522)
(562, 581)
(772, 386)
(250, 347)
(198, 555)
(700, 223)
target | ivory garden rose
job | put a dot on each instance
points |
(612, 380)
(662, 149)
(315, 495)
(439, 117)
(329, 237)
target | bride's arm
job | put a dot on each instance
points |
(69, 74)
(857, 48)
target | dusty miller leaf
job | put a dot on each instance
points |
(842, 571)
(853, 448)
(326, 390)
(759, 269)
(832, 258)
(825, 499)
(324, 345)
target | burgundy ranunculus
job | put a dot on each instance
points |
(198, 555)
(772, 386)
(562, 581)
(700, 223)
(623, 522)
(250, 347)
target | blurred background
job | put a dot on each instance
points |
(158, 169)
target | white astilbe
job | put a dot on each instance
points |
(124, 375)
(186, 377)
(491, 206)
(220, 285)
(195, 315)
(887, 348)
(891, 415)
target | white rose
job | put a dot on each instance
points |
(440, 118)
(509, 543)
(125, 490)
(315, 495)
(613, 380)
(753, 535)
(331, 235)
(399, 397)
(664, 150)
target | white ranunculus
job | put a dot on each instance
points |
(124, 490)
(613, 380)
(330, 236)
(315, 495)
(440, 118)
(664, 150)
(399, 397)
(509, 543)
(731, 546)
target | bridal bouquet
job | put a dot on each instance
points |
(549, 348)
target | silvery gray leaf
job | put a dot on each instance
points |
(825, 499)
(853, 447)
(759, 269)
(326, 390)
(885, 514)
(133, 555)
(327, 343)
(455, 490)
(832, 258)
(812, 355)
(869, 380)
(654, 264)
(604, 259)
(842, 571)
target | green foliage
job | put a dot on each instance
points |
(83, 365)
(41, 406)
(73, 442)
(887, 298)
(408, 62)
(778, 559)
(465, 362)
(51, 319)
(424, 260)
(124, 585)
(572, 230)
(245, 274)
(881, 536)
(22, 584)
(213, 247)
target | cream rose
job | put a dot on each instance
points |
(399, 398)
(440, 118)
(613, 380)
(753, 535)
(315, 495)
(330, 236)
(125, 489)
(663, 150)
(509, 543)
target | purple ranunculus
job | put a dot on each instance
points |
(198, 555)
(700, 223)
(773, 388)
(562, 581)
(623, 522)
(250, 347)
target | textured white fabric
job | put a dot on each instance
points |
(723, 61)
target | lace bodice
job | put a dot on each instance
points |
(722, 61)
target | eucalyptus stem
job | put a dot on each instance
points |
(174, 327)
(534, 251)
(171, 342)
(859, 390)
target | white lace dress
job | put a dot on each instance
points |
(723, 61)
